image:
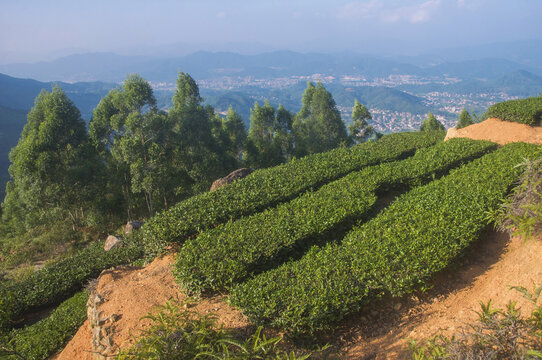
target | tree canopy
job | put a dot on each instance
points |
(52, 166)
(464, 119)
(318, 125)
(360, 130)
(432, 124)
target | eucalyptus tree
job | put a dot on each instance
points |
(236, 135)
(132, 136)
(269, 138)
(53, 166)
(199, 157)
(464, 119)
(432, 124)
(318, 125)
(360, 130)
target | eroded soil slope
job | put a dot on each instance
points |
(501, 132)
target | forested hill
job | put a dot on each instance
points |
(19, 94)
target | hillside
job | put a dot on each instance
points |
(19, 93)
(331, 244)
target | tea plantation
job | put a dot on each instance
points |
(301, 245)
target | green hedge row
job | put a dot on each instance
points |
(268, 187)
(227, 254)
(56, 282)
(395, 253)
(44, 338)
(526, 111)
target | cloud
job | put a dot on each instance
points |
(414, 14)
(390, 12)
(359, 9)
(221, 14)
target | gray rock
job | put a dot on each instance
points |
(112, 242)
(231, 177)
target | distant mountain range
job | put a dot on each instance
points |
(493, 61)
(512, 69)
(518, 83)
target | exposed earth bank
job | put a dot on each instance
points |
(501, 132)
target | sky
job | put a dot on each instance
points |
(37, 30)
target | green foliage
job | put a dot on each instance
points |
(130, 134)
(229, 253)
(38, 244)
(236, 133)
(57, 281)
(498, 334)
(44, 338)
(268, 187)
(318, 125)
(52, 166)
(521, 212)
(396, 252)
(197, 158)
(431, 124)
(178, 334)
(360, 130)
(269, 137)
(525, 111)
(464, 119)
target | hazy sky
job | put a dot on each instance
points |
(32, 30)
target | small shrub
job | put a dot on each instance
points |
(178, 334)
(498, 334)
(521, 212)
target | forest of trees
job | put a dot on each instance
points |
(136, 159)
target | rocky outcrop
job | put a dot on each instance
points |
(103, 346)
(228, 179)
(112, 242)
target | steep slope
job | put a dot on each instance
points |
(493, 265)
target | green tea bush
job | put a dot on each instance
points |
(44, 338)
(229, 253)
(525, 111)
(268, 187)
(59, 280)
(396, 252)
